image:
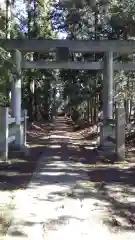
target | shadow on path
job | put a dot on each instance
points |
(68, 159)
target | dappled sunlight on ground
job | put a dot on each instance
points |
(73, 194)
(54, 146)
(57, 205)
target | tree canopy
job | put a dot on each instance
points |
(68, 89)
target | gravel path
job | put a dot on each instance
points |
(60, 202)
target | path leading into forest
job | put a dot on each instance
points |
(61, 202)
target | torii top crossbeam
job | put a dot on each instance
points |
(77, 46)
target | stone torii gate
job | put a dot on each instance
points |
(108, 47)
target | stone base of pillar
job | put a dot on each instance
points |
(21, 131)
(112, 136)
(24, 149)
(19, 141)
(107, 133)
(120, 133)
(107, 144)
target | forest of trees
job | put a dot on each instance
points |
(79, 90)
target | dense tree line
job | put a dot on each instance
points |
(79, 90)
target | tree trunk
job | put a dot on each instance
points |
(88, 110)
(35, 103)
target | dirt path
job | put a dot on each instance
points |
(71, 196)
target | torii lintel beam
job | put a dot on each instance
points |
(76, 65)
(78, 46)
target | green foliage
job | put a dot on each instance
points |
(47, 19)
(104, 20)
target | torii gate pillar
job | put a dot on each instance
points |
(107, 96)
(16, 95)
(108, 86)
